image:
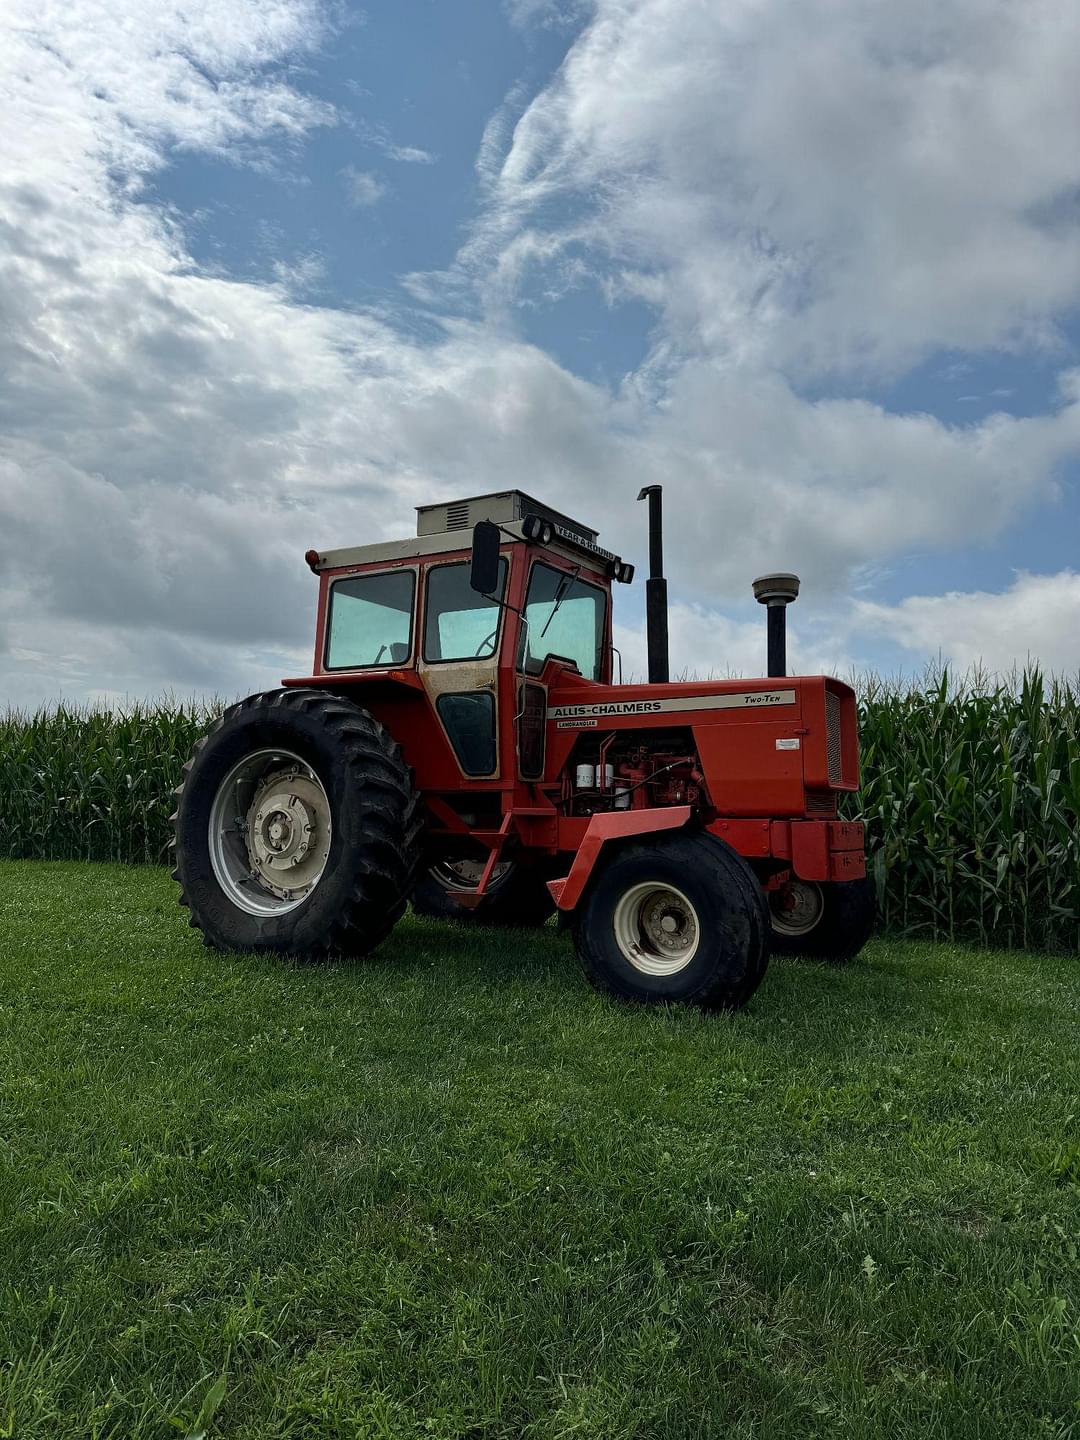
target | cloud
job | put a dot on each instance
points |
(362, 188)
(761, 478)
(172, 440)
(112, 86)
(81, 661)
(1037, 618)
(704, 643)
(410, 155)
(378, 136)
(547, 14)
(305, 273)
(823, 185)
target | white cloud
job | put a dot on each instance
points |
(703, 643)
(362, 188)
(410, 155)
(111, 85)
(171, 441)
(1037, 618)
(818, 184)
(379, 137)
(547, 14)
(760, 478)
(303, 274)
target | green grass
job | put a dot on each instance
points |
(448, 1191)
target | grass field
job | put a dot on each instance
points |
(448, 1191)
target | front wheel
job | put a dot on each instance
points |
(827, 922)
(679, 920)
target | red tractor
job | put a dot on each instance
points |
(462, 742)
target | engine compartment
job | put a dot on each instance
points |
(622, 770)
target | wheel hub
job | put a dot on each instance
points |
(656, 928)
(270, 832)
(797, 907)
(287, 839)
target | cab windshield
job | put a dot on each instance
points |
(566, 618)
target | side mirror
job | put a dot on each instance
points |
(486, 540)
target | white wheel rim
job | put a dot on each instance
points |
(797, 908)
(656, 928)
(270, 832)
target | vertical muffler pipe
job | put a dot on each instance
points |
(777, 592)
(656, 622)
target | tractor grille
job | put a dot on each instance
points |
(821, 803)
(833, 748)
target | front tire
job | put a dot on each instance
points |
(679, 920)
(297, 827)
(824, 922)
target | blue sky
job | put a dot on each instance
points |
(422, 78)
(272, 274)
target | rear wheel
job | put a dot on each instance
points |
(297, 827)
(679, 920)
(516, 894)
(828, 922)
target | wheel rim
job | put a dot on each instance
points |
(797, 908)
(270, 832)
(466, 874)
(656, 928)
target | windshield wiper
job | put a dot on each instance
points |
(560, 595)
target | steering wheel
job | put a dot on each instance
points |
(478, 653)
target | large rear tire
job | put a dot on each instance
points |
(824, 922)
(297, 827)
(682, 919)
(516, 895)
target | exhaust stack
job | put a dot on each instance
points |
(777, 592)
(656, 616)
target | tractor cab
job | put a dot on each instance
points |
(493, 599)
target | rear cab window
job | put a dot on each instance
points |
(370, 620)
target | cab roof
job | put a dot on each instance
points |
(502, 506)
(448, 527)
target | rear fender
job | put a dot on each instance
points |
(613, 826)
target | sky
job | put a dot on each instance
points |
(273, 273)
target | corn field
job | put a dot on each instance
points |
(971, 797)
(94, 784)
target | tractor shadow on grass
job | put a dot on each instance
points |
(495, 955)
(897, 986)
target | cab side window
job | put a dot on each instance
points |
(459, 624)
